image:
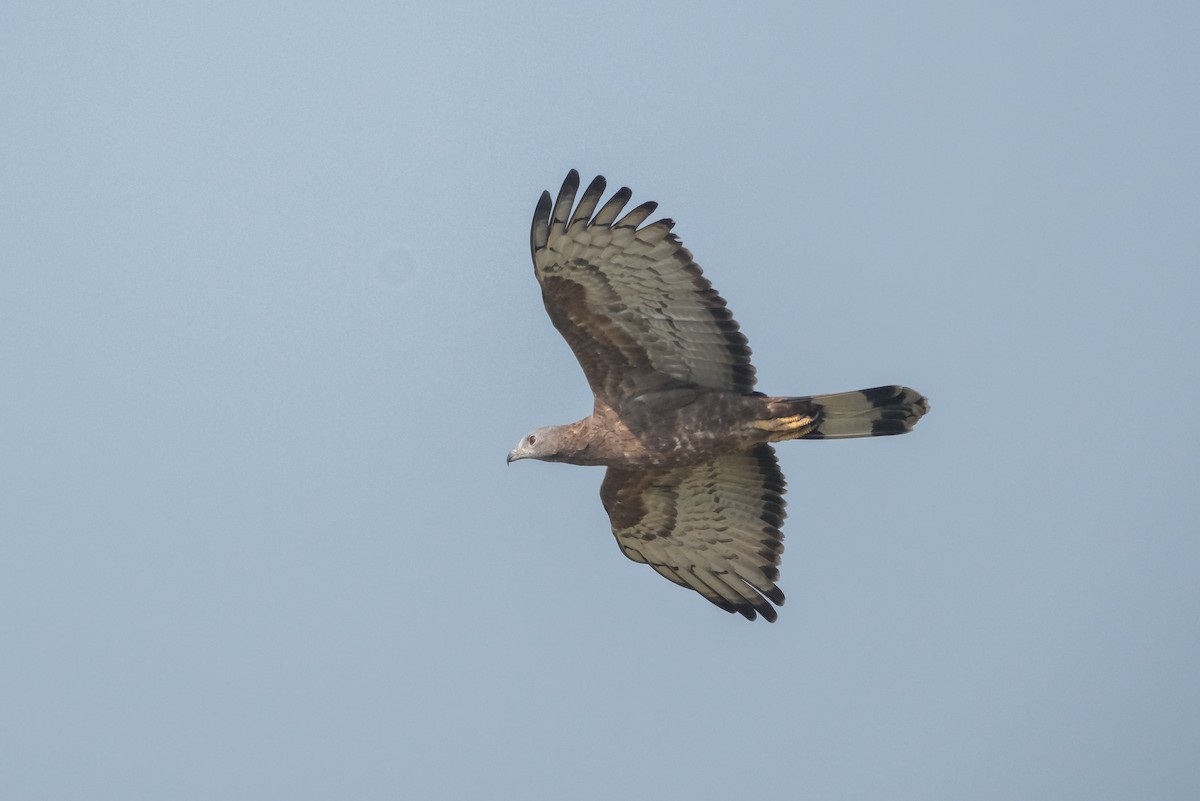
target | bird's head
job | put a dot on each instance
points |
(541, 443)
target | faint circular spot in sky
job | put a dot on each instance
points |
(396, 267)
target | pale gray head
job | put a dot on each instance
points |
(542, 443)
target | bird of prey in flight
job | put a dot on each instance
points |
(692, 487)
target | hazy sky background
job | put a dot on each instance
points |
(268, 328)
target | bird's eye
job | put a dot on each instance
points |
(532, 439)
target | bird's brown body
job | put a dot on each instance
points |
(688, 425)
(664, 428)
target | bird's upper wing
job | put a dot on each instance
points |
(630, 301)
(711, 527)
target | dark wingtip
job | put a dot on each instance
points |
(597, 185)
(539, 231)
(570, 183)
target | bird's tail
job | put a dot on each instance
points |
(876, 412)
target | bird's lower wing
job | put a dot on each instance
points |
(711, 527)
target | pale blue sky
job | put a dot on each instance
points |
(268, 328)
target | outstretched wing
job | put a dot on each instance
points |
(632, 304)
(711, 527)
